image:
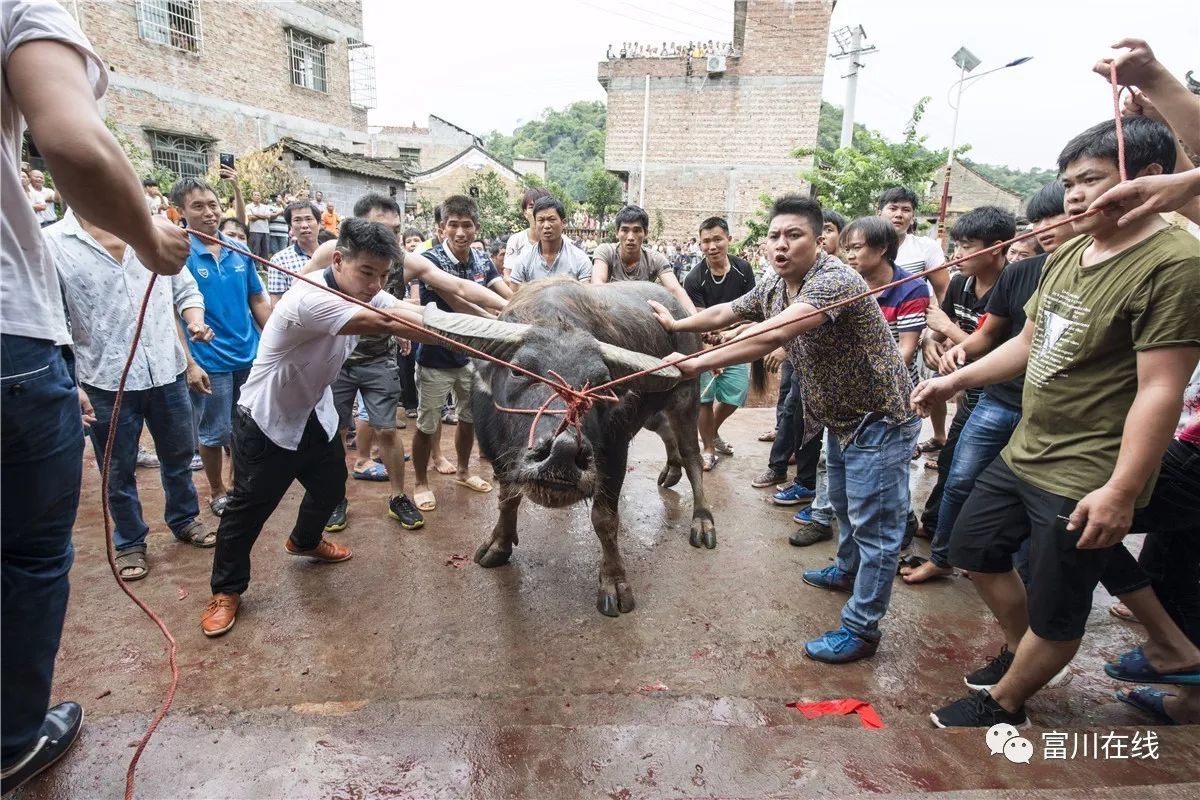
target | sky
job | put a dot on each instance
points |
(494, 64)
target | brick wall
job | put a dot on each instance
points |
(344, 188)
(969, 189)
(237, 88)
(717, 142)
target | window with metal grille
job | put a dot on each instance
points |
(362, 74)
(409, 155)
(183, 155)
(308, 60)
(175, 23)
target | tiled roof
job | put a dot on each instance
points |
(343, 162)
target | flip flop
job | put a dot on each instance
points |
(912, 562)
(475, 484)
(1148, 700)
(375, 472)
(707, 462)
(722, 446)
(425, 501)
(217, 504)
(1133, 667)
(930, 445)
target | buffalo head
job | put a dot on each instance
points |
(552, 465)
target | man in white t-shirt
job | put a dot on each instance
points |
(42, 198)
(258, 215)
(52, 78)
(286, 424)
(155, 202)
(524, 240)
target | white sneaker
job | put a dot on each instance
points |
(146, 458)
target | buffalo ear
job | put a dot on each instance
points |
(622, 362)
(492, 336)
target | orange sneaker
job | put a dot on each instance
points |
(220, 615)
(325, 551)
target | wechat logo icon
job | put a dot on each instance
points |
(1004, 739)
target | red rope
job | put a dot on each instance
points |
(172, 648)
(577, 401)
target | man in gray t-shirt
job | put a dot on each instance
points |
(628, 260)
(554, 255)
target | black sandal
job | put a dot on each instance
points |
(133, 558)
(912, 562)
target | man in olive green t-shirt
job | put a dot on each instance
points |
(1111, 338)
(627, 260)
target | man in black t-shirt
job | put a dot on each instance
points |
(963, 309)
(997, 408)
(718, 278)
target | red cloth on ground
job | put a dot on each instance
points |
(866, 714)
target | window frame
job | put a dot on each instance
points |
(301, 68)
(203, 149)
(155, 18)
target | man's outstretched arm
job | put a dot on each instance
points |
(49, 84)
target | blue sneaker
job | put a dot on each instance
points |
(830, 578)
(840, 646)
(803, 516)
(793, 495)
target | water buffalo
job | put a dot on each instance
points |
(587, 335)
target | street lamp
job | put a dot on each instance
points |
(966, 62)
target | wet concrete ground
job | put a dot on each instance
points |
(409, 672)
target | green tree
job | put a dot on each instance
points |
(571, 140)
(850, 179)
(1022, 182)
(498, 215)
(557, 189)
(602, 194)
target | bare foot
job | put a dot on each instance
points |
(1183, 706)
(926, 571)
(444, 466)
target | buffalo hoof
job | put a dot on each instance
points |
(615, 603)
(704, 532)
(670, 475)
(486, 557)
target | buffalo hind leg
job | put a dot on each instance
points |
(683, 423)
(496, 551)
(613, 593)
(672, 471)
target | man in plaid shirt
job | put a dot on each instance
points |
(303, 222)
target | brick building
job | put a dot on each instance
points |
(969, 189)
(722, 129)
(421, 148)
(189, 79)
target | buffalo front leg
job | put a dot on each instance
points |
(683, 423)
(673, 470)
(613, 593)
(496, 551)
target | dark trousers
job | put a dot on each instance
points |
(789, 432)
(262, 473)
(260, 244)
(408, 379)
(41, 466)
(1170, 559)
(929, 518)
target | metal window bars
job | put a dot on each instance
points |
(362, 74)
(307, 54)
(175, 23)
(186, 157)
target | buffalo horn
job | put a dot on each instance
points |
(492, 336)
(622, 362)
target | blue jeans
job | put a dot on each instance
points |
(868, 486)
(214, 412)
(41, 466)
(167, 412)
(822, 509)
(983, 436)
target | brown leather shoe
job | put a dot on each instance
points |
(220, 614)
(326, 551)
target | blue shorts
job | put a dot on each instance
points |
(214, 412)
(730, 387)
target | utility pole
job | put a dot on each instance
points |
(849, 44)
(645, 140)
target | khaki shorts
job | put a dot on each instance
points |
(433, 385)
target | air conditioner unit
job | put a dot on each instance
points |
(716, 65)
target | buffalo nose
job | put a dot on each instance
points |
(566, 452)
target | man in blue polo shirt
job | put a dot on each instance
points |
(236, 308)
